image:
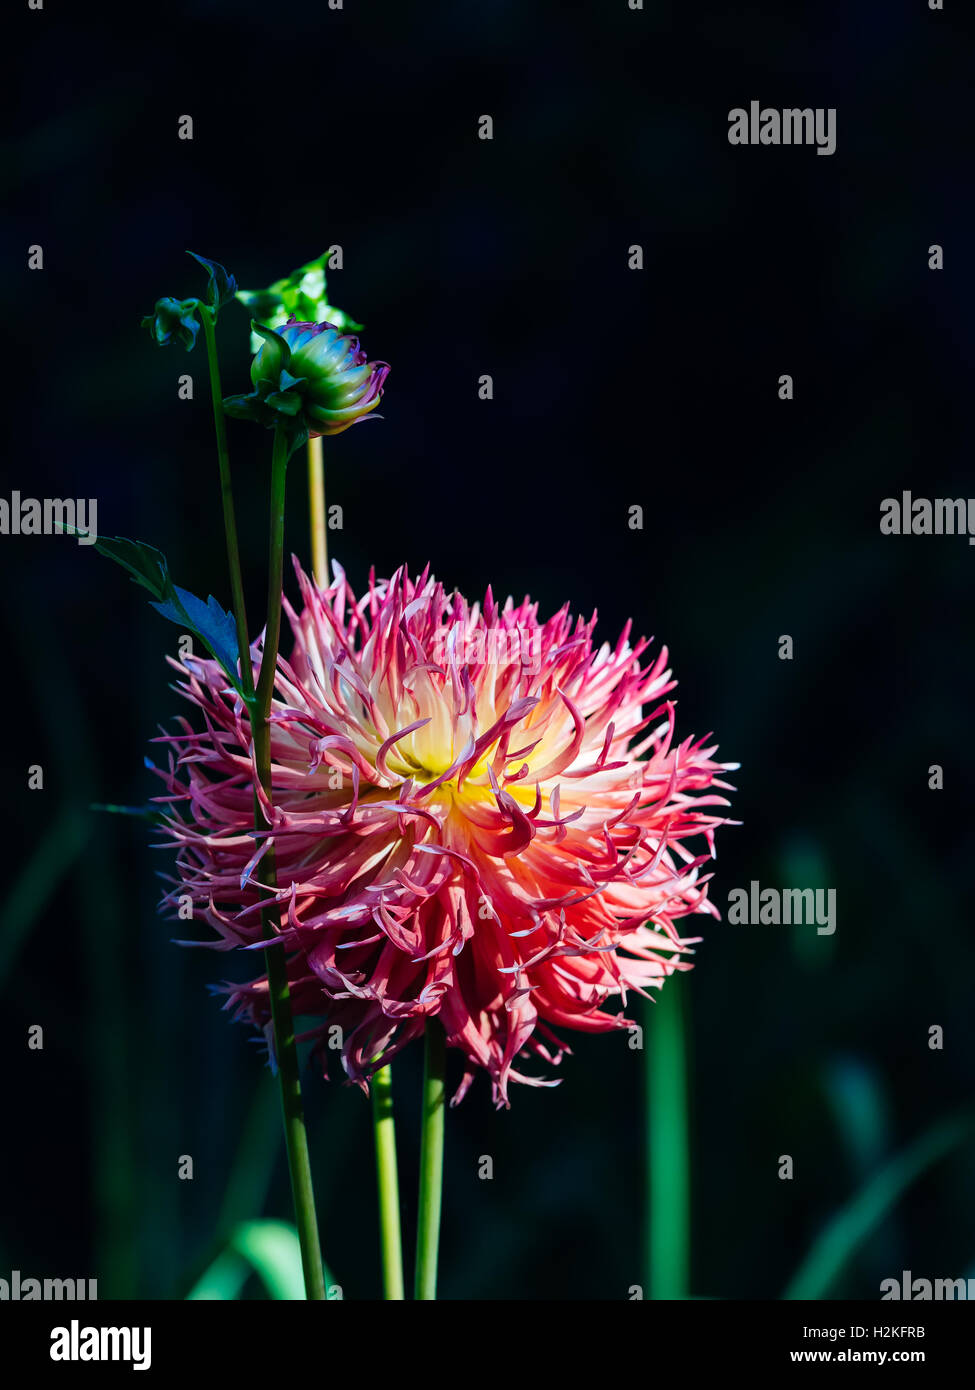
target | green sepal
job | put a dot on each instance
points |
(285, 402)
(249, 407)
(275, 340)
(280, 408)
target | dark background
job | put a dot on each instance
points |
(612, 387)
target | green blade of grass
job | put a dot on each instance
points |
(37, 883)
(254, 1158)
(108, 1031)
(841, 1236)
(223, 1280)
(860, 1110)
(270, 1249)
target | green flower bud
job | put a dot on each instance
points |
(311, 378)
(174, 319)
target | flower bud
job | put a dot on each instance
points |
(312, 377)
(174, 319)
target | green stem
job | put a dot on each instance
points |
(295, 1134)
(275, 579)
(296, 1138)
(316, 511)
(384, 1128)
(431, 1161)
(390, 1240)
(227, 496)
(668, 1204)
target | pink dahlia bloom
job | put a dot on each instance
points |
(476, 816)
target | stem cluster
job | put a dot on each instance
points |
(258, 700)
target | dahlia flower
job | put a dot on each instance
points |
(310, 375)
(476, 816)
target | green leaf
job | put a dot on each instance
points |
(147, 565)
(208, 621)
(302, 295)
(269, 1249)
(221, 285)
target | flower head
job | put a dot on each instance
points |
(476, 815)
(312, 377)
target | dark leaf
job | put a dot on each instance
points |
(147, 565)
(209, 621)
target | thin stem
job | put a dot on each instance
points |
(227, 494)
(295, 1134)
(390, 1241)
(285, 1047)
(390, 1237)
(431, 1161)
(296, 1138)
(668, 1201)
(275, 579)
(316, 511)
